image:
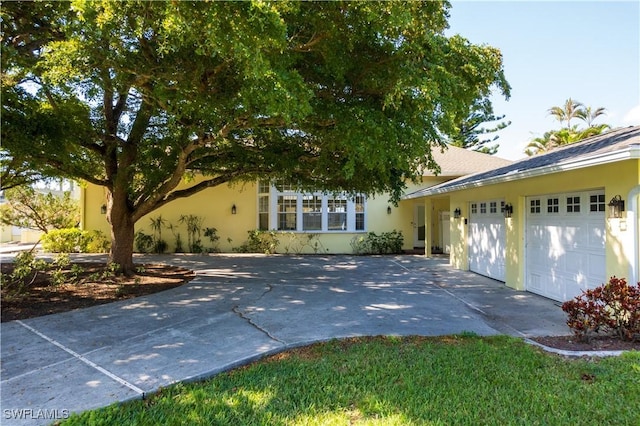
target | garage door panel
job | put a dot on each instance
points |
(564, 247)
(486, 245)
(596, 235)
(597, 268)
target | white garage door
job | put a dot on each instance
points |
(486, 239)
(565, 244)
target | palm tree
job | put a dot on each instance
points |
(565, 136)
(571, 109)
(588, 115)
(541, 144)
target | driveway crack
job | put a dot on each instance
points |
(237, 311)
(268, 290)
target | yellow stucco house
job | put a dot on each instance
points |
(332, 221)
(553, 224)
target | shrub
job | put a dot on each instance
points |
(385, 243)
(613, 308)
(98, 242)
(144, 242)
(27, 267)
(300, 243)
(259, 242)
(74, 240)
(25, 271)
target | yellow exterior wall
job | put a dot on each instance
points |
(214, 205)
(616, 178)
(6, 234)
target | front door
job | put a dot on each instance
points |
(418, 226)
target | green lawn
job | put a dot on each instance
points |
(401, 381)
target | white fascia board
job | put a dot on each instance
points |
(631, 152)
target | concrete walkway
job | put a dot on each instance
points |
(238, 309)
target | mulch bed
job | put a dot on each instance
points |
(94, 285)
(597, 343)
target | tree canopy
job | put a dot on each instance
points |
(470, 130)
(133, 95)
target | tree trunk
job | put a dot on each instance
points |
(122, 234)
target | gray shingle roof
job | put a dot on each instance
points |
(456, 161)
(614, 141)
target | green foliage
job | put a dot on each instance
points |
(474, 125)
(27, 267)
(27, 208)
(74, 240)
(132, 95)
(372, 243)
(212, 235)
(569, 134)
(612, 308)
(259, 241)
(450, 380)
(143, 242)
(159, 245)
(194, 230)
(304, 243)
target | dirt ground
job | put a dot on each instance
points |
(94, 285)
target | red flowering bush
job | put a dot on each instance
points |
(613, 309)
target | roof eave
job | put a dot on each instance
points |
(629, 153)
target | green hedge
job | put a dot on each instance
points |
(74, 240)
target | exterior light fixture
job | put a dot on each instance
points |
(457, 213)
(234, 210)
(616, 207)
(103, 209)
(388, 209)
(508, 210)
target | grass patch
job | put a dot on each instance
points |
(400, 381)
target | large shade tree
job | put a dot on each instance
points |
(133, 95)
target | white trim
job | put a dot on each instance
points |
(630, 152)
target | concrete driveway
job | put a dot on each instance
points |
(238, 309)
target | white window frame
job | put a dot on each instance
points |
(287, 191)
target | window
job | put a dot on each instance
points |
(483, 208)
(493, 207)
(596, 203)
(287, 209)
(263, 207)
(337, 214)
(309, 212)
(359, 204)
(535, 206)
(573, 204)
(263, 212)
(553, 205)
(474, 208)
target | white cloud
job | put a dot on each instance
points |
(632, 117)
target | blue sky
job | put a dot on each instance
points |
(553, 50)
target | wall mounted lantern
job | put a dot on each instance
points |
(616, 207)
(457, 213)
(388, 209)
(103, 209)
(234, 210)
(508, 210)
